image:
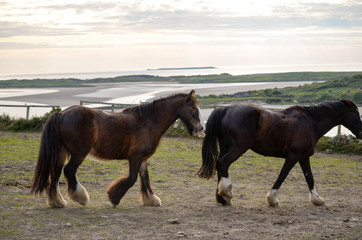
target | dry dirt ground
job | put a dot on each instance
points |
(189, 209)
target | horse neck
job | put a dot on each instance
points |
(330, 119)
(165, 113)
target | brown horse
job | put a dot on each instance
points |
(132, 134)
(291, 134)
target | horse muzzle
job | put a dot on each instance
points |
(199, 131)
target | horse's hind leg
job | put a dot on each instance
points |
(314, 198)
(120, 186)
(224, 188)
(55, 198)
(76, 191)
(147, 196)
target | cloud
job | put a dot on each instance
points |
(142, 16)
(20, 45)
(148, 27)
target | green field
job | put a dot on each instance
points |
(188, 201)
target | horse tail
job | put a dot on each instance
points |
(210, 151)
(51, 157)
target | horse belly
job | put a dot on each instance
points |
(274, 145)
(111, 148)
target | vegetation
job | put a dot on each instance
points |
(344, 88)
(213, 78)
(188, 201)
(339, 144)
(24, 125)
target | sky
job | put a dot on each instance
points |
(42, 36)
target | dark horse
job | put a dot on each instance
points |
(132, 134)
(291, 134)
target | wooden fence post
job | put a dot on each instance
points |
(27, 112)
(339, 131)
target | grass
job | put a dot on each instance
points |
(173, 177)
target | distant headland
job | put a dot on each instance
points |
(181, 68)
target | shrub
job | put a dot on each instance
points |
(342, 144)
(357, 96)
(22, 124)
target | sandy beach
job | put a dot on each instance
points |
(126, 92)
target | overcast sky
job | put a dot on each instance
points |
(42, 36)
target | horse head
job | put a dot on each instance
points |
(191, 116)
(352, 119)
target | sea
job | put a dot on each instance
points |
(189, 71)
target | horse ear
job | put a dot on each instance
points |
(192, 92)
(349, 103)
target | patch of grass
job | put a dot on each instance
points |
(173, 177)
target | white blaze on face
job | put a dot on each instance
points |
(202, 122)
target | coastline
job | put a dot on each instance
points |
(131, 93)
(167, 72)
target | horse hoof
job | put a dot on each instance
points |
(223, 200)
(227, 201)
(315, 199)
(151, 200)
(113, 204)
(58, 203)
(272, 199)
(80, 195)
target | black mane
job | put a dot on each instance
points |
(146, 108)
(317, 111)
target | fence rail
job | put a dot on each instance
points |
(113, 105)
(29, 106)
(124, 105)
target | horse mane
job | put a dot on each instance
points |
(319, 110)
(145, 109)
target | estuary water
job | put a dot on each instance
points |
(130, 93)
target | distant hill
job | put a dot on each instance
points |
(343, 88)
(213, 78)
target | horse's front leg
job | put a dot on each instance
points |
(272, 195)
(148, 198)
(314, 198)
(119, 187)
(224, 192)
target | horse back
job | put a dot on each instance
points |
(104, 135)
(267, 132)
(77, 128)
(281, 133)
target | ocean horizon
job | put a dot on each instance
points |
(188, 71)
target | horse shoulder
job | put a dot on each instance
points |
(302, 137)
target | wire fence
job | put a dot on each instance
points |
(176, 130)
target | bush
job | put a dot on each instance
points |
(22, 124)
(177, 129)
(357, 97)
(342, 144)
